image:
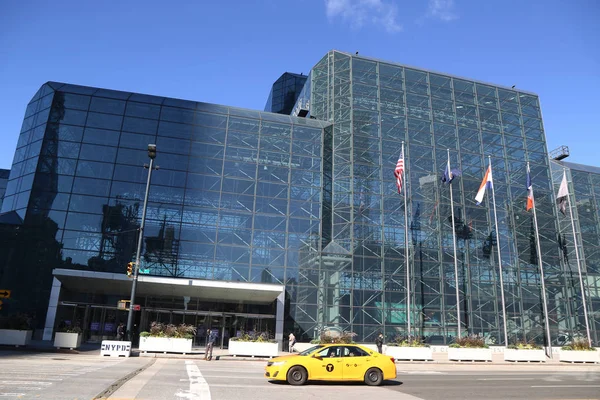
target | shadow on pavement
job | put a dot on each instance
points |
(339, 383)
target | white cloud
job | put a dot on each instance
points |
(442, 9)
(363, 12)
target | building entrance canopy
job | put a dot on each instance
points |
(119, 284)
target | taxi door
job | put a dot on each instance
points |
(356, 362)
(329, 365)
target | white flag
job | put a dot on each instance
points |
(563, 192)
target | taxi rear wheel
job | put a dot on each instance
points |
(297, 376)
(373, 377)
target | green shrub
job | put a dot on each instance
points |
(181, 331)
(71, 329)
(579, 345)
(255, 337)
(472, 341)
(343, 338)
(405, 342)
(15, 321)
(522, 345)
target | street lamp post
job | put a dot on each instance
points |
(136, 266)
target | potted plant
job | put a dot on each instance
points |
(15, 330)
(255, 344)
(68, 337)
(408, 348)
(579, 351)
(524, 351)
(469, 348)
(167, 338)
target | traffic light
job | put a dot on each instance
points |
(129, 269)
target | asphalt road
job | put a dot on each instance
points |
(53, 376)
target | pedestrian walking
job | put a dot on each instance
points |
(121, 331)
(210, 342)
(291, 341)
(379, 343)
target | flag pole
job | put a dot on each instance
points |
(541, 267)
(499, 259)
(408, 310)
(583, 299)
(459, 334)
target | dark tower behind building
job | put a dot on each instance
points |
(284, 93)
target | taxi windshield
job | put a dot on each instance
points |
(310, 350)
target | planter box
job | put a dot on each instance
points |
(299, 347)
(373, 347)
(468, 354)
(13, 337)
(238, 348)
(410, 353)
(67, 340)
(579, 356)
(165, 345)
(524, 355)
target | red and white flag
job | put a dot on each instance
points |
(529, 204)
(399, 171)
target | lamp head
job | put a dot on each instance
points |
(152, 151)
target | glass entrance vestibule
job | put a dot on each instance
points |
(225, 325)
(90, 301)
(99, 322)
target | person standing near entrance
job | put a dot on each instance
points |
(121, 331)
(292, 342)
(379, 343)
(212, 338)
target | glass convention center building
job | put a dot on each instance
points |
(289, 219)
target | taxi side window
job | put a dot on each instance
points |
(352, 351)
(330, 352)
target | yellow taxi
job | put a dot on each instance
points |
(332, 362)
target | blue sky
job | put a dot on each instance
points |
(230, 52)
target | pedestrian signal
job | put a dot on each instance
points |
(129, 269)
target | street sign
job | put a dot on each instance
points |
(4, 294)
(136, 307)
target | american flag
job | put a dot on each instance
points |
(399, 170)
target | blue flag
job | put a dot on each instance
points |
(450, 174)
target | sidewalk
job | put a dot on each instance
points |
(440, 360)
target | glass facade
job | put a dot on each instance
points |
(358, 280)
(311, 203)
(584, 191)
(284, 93)
(237, 195)
(4, 173)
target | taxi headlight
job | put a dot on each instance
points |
(278, 363)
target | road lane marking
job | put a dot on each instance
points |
(567, 386)
(269, 386)
(422, 372)
(12, 394)
(25, 383)
(199, 389)
(238, 377)
(506, 379)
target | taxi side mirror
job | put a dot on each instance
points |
(318, 357)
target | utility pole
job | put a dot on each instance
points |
(136, 266)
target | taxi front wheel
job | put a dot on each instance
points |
(297, 376)
(373, 377)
